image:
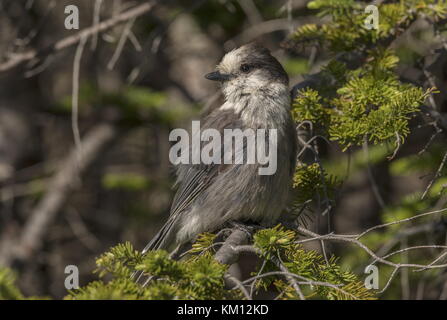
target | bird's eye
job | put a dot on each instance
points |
(245, 68)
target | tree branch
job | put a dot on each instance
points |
(73, 39)
(227, 254)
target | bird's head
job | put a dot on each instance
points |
(248, 69)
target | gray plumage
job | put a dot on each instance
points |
(255, 88)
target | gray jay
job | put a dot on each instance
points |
(256, 93)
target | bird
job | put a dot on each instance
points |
(256, 96)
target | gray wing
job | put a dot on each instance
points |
(192, 180)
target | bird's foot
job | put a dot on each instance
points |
(249, 228)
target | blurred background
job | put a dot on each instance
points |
(84, 127)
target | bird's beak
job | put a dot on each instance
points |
(217, 76)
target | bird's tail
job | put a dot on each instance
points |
(163, 238)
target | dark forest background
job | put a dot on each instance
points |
(64, 202)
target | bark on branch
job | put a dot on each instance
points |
(227, 254)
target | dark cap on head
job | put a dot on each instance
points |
(247, 59)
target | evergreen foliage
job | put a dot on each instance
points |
(353, 105)
(8, 290)
(199, 276)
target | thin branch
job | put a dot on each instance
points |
(400, 221)
(96, 19)
(374, 186)
(304, 281)
(398, 145)
(239, 285)
(390, 279)
(292, 280)
(357, 242)
(121, 43)
(69, 41)
(75, 97)
(404, 277)
(437, 175)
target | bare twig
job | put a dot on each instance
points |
(398, 145)
(374, 186)
(121, 43)
(301, 281)
(73, 39)
(355, 241)
(404, 277)
(437, 175)
(401, 221)
(81, 231)
(96, 19)
(75, 97)
(236, 282)
(292, 280)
